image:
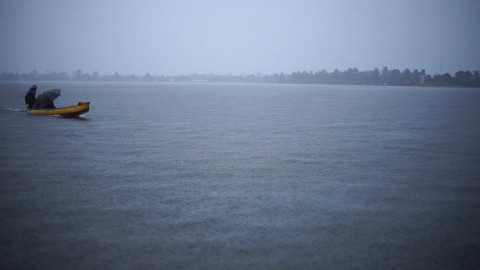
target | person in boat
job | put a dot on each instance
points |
(30, 96)
(49, 105)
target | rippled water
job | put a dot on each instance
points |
(209, 176)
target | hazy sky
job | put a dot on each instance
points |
(244, 36)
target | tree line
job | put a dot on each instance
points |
(351, 76)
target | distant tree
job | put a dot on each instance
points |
(96, 76)
(85, 77)
(117, 76)
(373, 77)
(147, 77)
(418, 76)
(336, 77)
(476, 79)
(348, 76)
(77, 75)
(463, 78)
(428, 80)
(407, 77)
(9, 76)
(384, 76)
(64, 76)
(443, 80)
(351, 76)
(394, 77)
(282, 78)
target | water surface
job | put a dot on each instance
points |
(209, 176)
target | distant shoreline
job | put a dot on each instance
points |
(351, 76)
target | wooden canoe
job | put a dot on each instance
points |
(71, 111)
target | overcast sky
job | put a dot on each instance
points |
(244, 36)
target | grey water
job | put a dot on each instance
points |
(241, 176)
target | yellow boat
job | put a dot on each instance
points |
(71, 111)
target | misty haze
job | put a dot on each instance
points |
(239, 135)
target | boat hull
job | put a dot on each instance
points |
(71, 111)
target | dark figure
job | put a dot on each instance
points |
(30, 96)
(49, 105)
(45, 99)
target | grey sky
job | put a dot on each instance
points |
(248, 36)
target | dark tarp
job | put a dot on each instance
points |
(45, 100)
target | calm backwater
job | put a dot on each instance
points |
(241, 176)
